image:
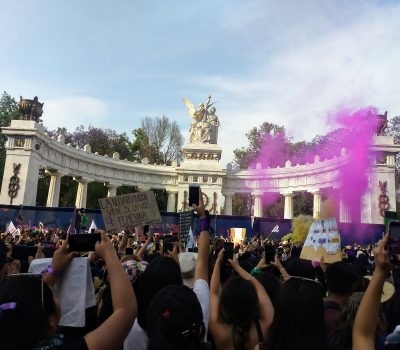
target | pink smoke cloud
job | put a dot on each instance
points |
(355, 134)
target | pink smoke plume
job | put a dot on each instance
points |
(353, 176)
(355, 134)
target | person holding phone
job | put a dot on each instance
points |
(367, 316)
(152, 282)
(27, 303)
(241, 311)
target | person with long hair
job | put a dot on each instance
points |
(241, 311)
(299, 320)
(30, 312)
(366, 320)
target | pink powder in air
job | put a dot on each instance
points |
(356, 137)
(353, 176)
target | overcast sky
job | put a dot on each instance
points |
(111, 63)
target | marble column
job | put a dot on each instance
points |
(81, 194)
(258, 208)
(112, 189)
(171, 204)
(228, 203)
(53, 196)
(317, 205)
(288, 213)
(344, 211)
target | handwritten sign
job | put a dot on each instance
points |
(185, 222)
(129, 210)
(323, 239)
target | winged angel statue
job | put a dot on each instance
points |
(205, 123)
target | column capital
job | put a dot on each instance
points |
(112, 185)
(316, 192)
(228, 194)
(54, 172)
(257, 193)
(171, 190)
(82, 180)
(288, 194)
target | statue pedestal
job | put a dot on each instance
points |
(201, 165)
(201, 156)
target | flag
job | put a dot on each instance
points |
(275, 229)
(190, 242)
(11, 228)
(71, 227)
(92, 226)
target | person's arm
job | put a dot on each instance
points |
(216, 328)
(123, 241)
(143, 248)
(278, 264)
(112, 332)
(367, 315)
(265, 305)
(60, 261)
(203, 252)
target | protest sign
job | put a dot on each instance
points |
(323, 240)
(185, 222)
(129, 210)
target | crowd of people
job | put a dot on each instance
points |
(151, 294)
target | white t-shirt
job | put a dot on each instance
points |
(137, 338)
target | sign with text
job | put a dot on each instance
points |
(129, 210)
(185, 222)
(323, 240)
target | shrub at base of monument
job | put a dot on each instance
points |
(323, 240)
(129, 210)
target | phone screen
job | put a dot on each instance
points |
(228, 253)
(22, 252)
(167, 244)
(83, 242)
(394, 238)
(194, 194)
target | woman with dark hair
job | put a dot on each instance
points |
(160, 273)
(241, 311)
(299, 318)
(30, 313)
(165, 271)
(367, 316)
(174, 320)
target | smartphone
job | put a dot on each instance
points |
(83, 242)
(129, 251)
(194, 194)
(269, 254)
(22, 252)
(394, 240)
(228, 253)
(167, 244)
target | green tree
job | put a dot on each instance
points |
(258, 137)
(164, 140)
(8, 111)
